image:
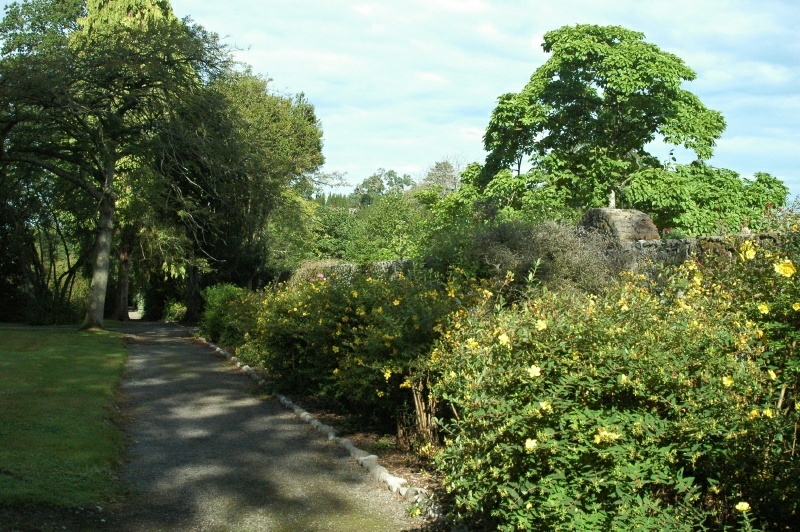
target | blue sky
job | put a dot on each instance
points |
(401, 84)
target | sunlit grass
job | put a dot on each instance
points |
(58, 443)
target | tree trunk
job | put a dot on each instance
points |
(194, 301)
(101, 264)
(127, 238)
(123, 279)
(424, 413)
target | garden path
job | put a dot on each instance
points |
(207, 454)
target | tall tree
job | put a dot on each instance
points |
(381, 182)
(236, 152)
(84, 86)
(443, 175)
(588, 113)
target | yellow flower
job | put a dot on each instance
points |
(743, 507)
(387, 373)
(796, 306)
(335, 349)
(795, 227)
(785, 268)
(727, 381)
(530, 445)
(534, 371)
(541, 325)
(768, 413)
(396, 302)
(763, 308)
(472, 344)
(772, 375)
(754, 413)
(604, 435)
(355, 294)
(545, 406)
(747, 251)
(504, 340)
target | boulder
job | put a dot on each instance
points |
(625, 225)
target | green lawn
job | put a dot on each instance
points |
(59, 445)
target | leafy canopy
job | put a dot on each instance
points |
(588, 113)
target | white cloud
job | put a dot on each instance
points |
(365, 10)
(462, 6)
(398, 84)
(431, 77)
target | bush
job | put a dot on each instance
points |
(228, 314)
(356, 337)
(641, 407)
(174, 311)
(562, 256)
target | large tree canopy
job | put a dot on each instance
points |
(84, 86)
(237, 152)
(588, 114)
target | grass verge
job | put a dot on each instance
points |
(59, 445)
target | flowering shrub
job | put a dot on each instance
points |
(356, 337)
(763, 277)
(643, 407)
(228, 314)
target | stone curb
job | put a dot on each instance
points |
(363, 458)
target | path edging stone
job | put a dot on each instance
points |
(366, 460)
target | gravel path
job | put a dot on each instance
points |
(206, 454)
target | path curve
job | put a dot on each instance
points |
(207, 454)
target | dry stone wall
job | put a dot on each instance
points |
(639, 239)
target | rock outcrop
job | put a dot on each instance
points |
(624, 225)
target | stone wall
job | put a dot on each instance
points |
(639, 239)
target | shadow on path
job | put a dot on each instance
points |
(205, 454)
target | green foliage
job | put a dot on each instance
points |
(443, 177)
(588, 112)
(174, 311)
(450, 223)
(560, 256)
(701, 200)
(530, 196)
(381, 182)
(762, 275)
(44, 238)
(647, 406)
(227, 314)
(389, 227)
(510, 137)
(239, 156)
(333, 232)
(353, 336)
(123, 65)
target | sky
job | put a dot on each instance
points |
(402, 84)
